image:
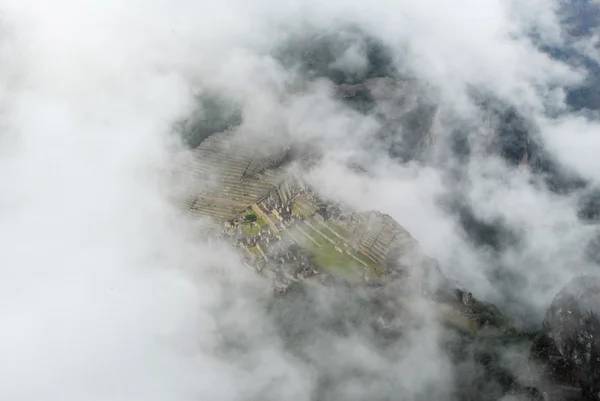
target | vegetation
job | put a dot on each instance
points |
(340, 264)
(454, 319)
(333, 226)
(488, 314)
(299, 211)
(251, 229)
(302, 209)
(318, 55)
(214, 114)
(326, 256)
(255, 251)
(250, 217)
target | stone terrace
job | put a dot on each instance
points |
(229, 176)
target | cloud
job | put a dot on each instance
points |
(106, 291)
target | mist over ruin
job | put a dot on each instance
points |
(261, 200)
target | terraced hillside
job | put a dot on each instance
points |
(253, 199)
(230, 175)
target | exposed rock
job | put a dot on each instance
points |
(571, 346)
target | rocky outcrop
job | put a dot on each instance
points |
(570, 345)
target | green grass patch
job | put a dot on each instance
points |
(454, 319)
(299, 211)
(254, 250)
(251, 229)
(379, 269)
(326, 256)
(371, 273)
(336, 263)
(335, 227)
(309, 207)
(286, 235)
(376, 267)
(295, 233)
(303, 209)
(314, 234)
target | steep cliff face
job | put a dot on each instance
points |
(570, 346)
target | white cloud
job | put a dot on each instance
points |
(103, 291)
